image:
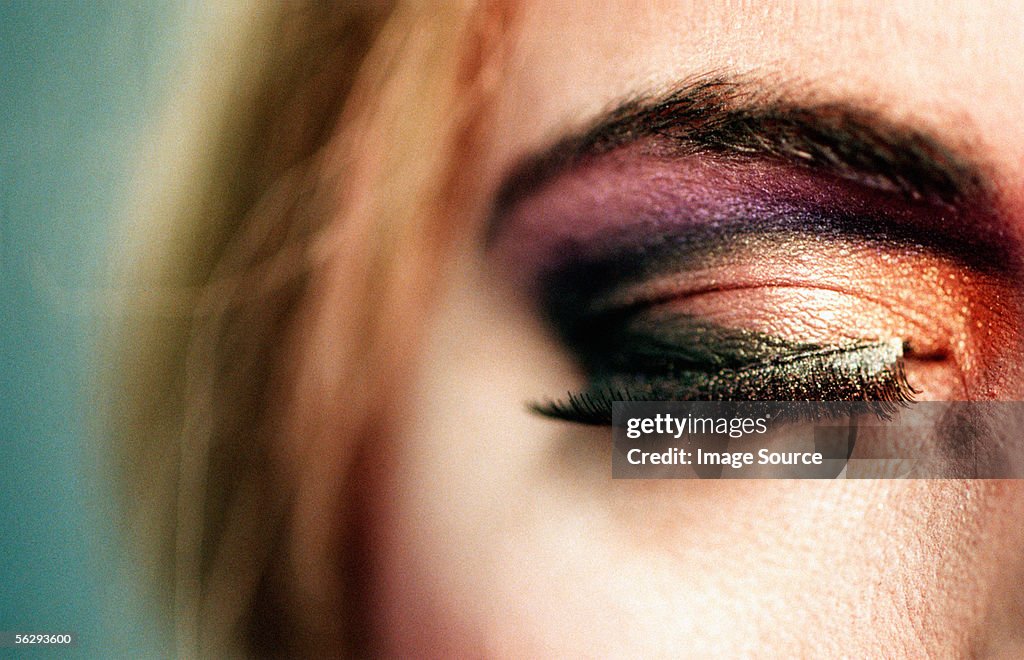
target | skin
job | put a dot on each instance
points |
(497, 532)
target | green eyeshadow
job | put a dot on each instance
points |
(677, 357)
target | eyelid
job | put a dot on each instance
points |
(821, 291)
(896, 280)
(657, 268)
(695, 361)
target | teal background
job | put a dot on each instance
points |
(80, 85)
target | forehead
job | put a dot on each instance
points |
(955, 69)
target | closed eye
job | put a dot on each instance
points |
(682, 359)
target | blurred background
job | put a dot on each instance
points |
(82, 84)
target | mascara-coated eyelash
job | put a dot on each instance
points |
(679, 358)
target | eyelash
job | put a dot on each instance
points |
(680, 359)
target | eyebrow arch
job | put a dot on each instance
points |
(736, 119)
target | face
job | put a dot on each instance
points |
(819, 176)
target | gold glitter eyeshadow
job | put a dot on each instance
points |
(680, 358)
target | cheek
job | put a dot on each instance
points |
(468, 480)
(501, 533)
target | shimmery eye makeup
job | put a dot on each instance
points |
(628, 204)
(794, 305)
(640, 266)
(694, 249)
(634, 345)
(679, 358)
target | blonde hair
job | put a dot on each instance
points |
(279, 269)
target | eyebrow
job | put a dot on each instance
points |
(737, 119)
